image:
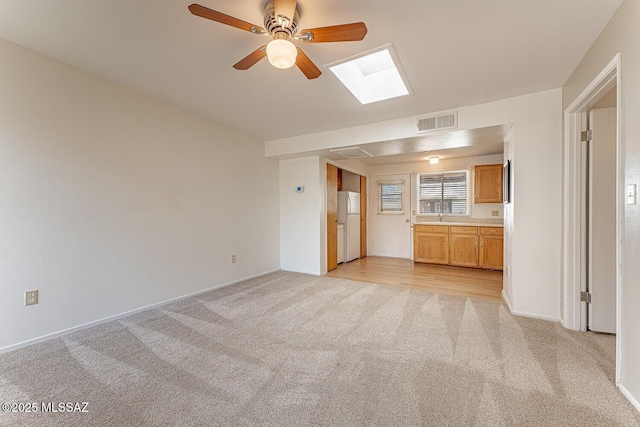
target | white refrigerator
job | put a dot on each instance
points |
(349, 215)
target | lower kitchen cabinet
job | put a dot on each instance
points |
(491, 248)
(463, 243)
(463, 246)
(431, 244)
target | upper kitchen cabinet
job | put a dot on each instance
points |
(488, 184)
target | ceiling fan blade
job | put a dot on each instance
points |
(336, 33)
(251, 59)
(214, 15)
(307, 67)
(286, 8)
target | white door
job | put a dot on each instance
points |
(389, 229)
(602, 221)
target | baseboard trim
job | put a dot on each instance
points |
(506, 300)
(629, 397)
(525, 314)
(536, 316)
(125, 314)
(310, 273)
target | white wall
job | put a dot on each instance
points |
(111, 200)
(478, 210)
(350, 181)
(302, 215)
(536, 239)
(508, 214)
(621, 35)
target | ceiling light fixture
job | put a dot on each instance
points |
(281, 53)
(434, 160)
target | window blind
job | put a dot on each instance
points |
(444, 193)
(390, 197)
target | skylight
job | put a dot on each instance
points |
(373, 77)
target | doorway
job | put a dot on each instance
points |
(578, 220)
(342, 180)
(600, 147)
(390, 231)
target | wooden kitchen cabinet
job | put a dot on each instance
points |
(491, 248)
(463, 246)
(488, 184)
(431, 244)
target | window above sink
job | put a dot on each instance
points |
(443, 193)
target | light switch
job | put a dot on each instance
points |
(631, 194)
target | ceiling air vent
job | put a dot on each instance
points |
(352, 153)
(436, 123)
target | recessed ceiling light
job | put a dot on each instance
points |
(373, 76)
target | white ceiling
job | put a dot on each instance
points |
(454, 52)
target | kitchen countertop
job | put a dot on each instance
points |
(469, 224)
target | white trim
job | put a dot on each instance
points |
(536, 316)
(125, 314)
(629, 397)
(506, 300)
(308, 272)
(574, 311)
(620, 228)
(525, 314)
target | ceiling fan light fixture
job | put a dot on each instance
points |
(281, 53)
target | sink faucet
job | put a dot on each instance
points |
(441, 216)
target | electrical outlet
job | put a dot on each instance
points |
(507, 271)
(495, 213)
(233, 259)
(631, 194)
(31, 297)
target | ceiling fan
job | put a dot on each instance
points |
(281, 22)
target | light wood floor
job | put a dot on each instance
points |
(443, 279)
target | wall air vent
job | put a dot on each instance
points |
(352, 153)
(438, 123)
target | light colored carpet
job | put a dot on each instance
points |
(290, 349)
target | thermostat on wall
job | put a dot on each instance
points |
(300, 189)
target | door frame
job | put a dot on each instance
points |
(408, 181)
(323, 232)
(573, 209)
(331, 214)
